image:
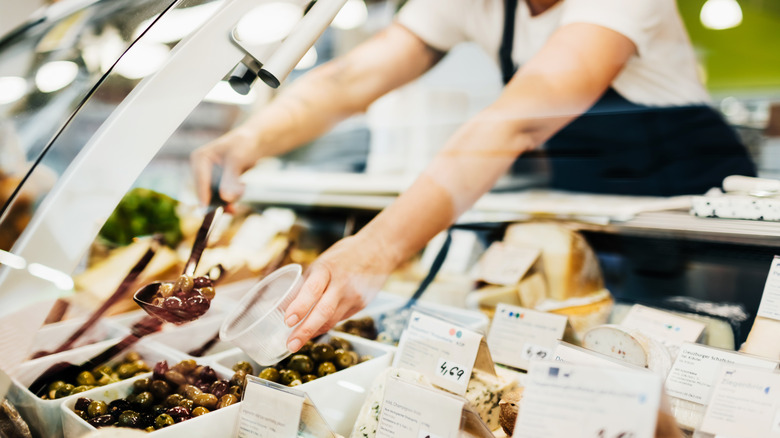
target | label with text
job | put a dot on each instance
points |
(568, 353)
(564, 400)
(268, 411)
(504, 264)
(745, 403)
(697, 366)
(518, 335)
(666, 327)
(412, 410)
(429, 343)
(770, 300)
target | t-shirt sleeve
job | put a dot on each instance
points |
(637, 20)
(439, 23)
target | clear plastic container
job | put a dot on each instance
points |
(256, 324)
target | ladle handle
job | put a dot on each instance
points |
(210, 221)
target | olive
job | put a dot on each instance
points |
(219, 388)
(63, 391)
(128, 419)
(81, 388)
(206, 374)
(287, 376)
(126, 370)
(82, 414)
(160, 368)
(208, 293)
(208, 401)
(97, 408)
(142, 385)
(132, 356)
(173, 400)
(118, 406)
(160, 388)
(144, 400)
(149, 429)
(201, 282)
(326, 368)
(365, 357)
(244, 366)
(54, 386)
(184, 283)
(106, 379)
(103, 420)
(196, 305)
(271, 374)
(200, 410)
(146, 420)
(141, 365)
(343, 359)
(295, 382)
(186, 366)
(238, 379)
(322, 352)
(100, 371)
(227, 400)
(179, 413)
(163, 420)
(191, 391)
(306, 349)
(238, 391)
(165, 290)
(301, 363)
(175, 377)
(340, 343)
(308, 378)
(82, 404)
(187, 403)
(173, 303)
(86, 378)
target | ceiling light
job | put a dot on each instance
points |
(268, 23)
(352, 15)
(721, 14)
(176, 24)
(56, 75)
(308, 60)
(142, 60)
(12, 88)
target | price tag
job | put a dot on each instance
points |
(744, 404)
(415, 411)
(565, 352)
(770, 299)
(535, 332)
(697, 367)
(668, 328)
(269, 411)
(564, 400)
(428, 343)
(504, 264)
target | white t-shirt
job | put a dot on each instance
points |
(663, 72)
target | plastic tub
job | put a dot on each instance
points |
(256, 324)
(43, 416)
(340, 395)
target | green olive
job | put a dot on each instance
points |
(175, 377)
(343, 359)
(322, 353)
(81, 388)
(163, 420)
(287, 376)
(132, 356)
(227, 400)
(128, 419)
(270, 373)
(149, 429)
(187, 403)
(144, 400)
(238, 379)
(86, 378)
(326, 368)
(295, 382)
(173, 400)
(126, 370)
(306, 349)
(142, 385)
(208, 292)
(97, 408)
(340, 343)
(53, 386)
(184, 283)
(237, 391)
(191, 391)
(200, 410)
(301, 363)
(63, 391)
(100, 371)
(186, 366)
(208, 401)
(244, 366)
(308, 378)
(106, 379)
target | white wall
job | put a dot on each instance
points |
(15, 12)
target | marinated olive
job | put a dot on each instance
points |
(97, 408)
(196, 305)
(244, 366)
(160, 368)
(287, 376)
(63, 391)
(201, 282)
(82, 414)
(160, 389)
(295, 382)
(200, 410)
(270, 373)
(343, 359)
(86, 378)
(128, 419)
(238, 391)
(206, 374)
(103, 420)
(144, 400)
(322, 353)
(54, 386)
(184, 283)
(82, 404)
(308, 378)
(179, 413)
(340, 343)
(142, 385)
(173, 303)
(163, 420)
(306, 349)
(208, 293)
(118, 406)
(219, 388)
(208, 401)
(158, 409)
(175, 377)
(326, 368)
(186, 366)
(149, 429)
(126, 370)
(100, 371)
(238, 379)
(106, 379)
(81, 388)
(187, 403)
(165, 290)
(227, 400)
(301, 363)
(173, 400)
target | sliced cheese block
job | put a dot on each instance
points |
(510, 406)
(584, 313)
(630, 346)
(532, 289)
(484, 393)
(569, 263)
(763, 339)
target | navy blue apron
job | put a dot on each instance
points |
(621, 147)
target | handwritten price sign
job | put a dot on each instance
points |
(451, 370)
(531, 351)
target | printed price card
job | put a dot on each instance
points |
(535, 333)
(667, 327)
(697, 367)
(745, 404)
(268, 411)
(504, 264)
(569, 400)
(770, 300)
(443, 352)
(411, 410)
(566, 352)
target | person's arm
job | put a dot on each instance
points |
(313, 105)
(562, 81)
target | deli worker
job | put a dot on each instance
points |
(609, 86)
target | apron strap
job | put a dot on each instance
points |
(508, 67)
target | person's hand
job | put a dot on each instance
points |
(235, 152)
(338, 284)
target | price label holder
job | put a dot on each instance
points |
(412, 410)
(270, 410)
(569, 353)
(563, 400)
(442, 351)
(504, 264)
(745, 403)
(697, 367)
(770, 299)
(535, 333)
(668, 328)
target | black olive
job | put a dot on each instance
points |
(129, 419)
(103, 420)
(82, 403)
